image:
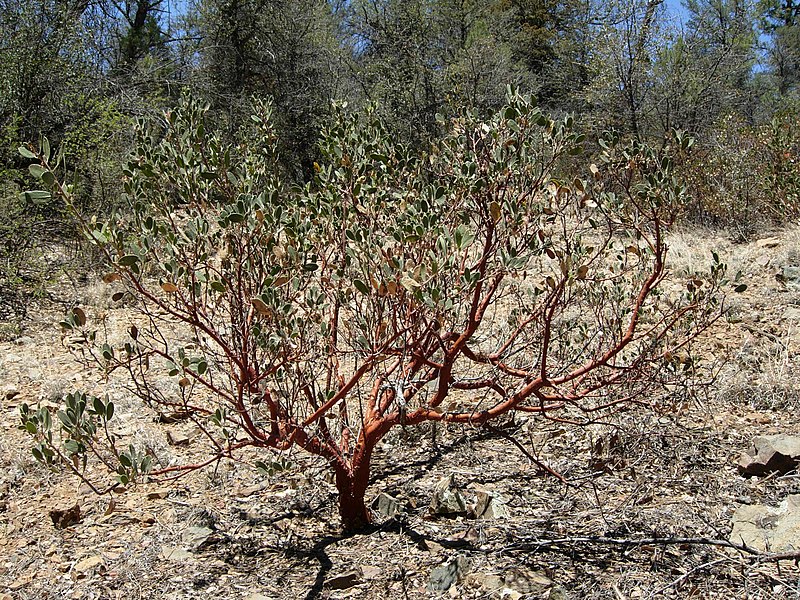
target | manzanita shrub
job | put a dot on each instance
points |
(395, 289)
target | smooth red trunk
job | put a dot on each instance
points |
(352, 508)
(352, 480)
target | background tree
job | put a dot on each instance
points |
(781, 21)
(49, 86)
(288, 51)
(705, 72)
(553, 40)
(622, 89)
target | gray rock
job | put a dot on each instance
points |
(527, 581)
(768, 529)
(370, 573)
(558, 593)
(790, 275)
(196, 537)
(446, 575)
(447, 498)
(175, 554)
(489, 583)
(387, 505)
(771, 453)
(489, 505)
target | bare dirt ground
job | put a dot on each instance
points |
(230, 532)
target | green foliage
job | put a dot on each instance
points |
(783, 163)
(745, 176)
(48, 88)
(79, 432)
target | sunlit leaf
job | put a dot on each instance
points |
(494, 209)
(261, 306)
(80, 316)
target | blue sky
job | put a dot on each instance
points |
(676, 7)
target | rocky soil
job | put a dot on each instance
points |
(644, 493)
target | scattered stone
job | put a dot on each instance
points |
(771, 453)
(790, 276)
(158, 494)
(387, 505)
(447, 499)
(447, 575)
(488, 583)
(175, 438)
(175, 554)
(432, 547)
(469, 536)
(196, 537)
(527, 582)
(558, 593)
(489, 505)
(19, 583)
(248, 491)
(88, 564)
(770, 242)
(370, 573)
(10, 394)
(767, 528)
(343, 582)
(173, 417)
(63, 518)
(257, 596)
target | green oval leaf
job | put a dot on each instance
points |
(35, 196)
(361, 286)
(128, 260)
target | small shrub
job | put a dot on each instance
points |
(395, 289)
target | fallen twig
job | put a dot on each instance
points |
(766, 334)
(752, 553)
(689, 573)
(530, 456)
